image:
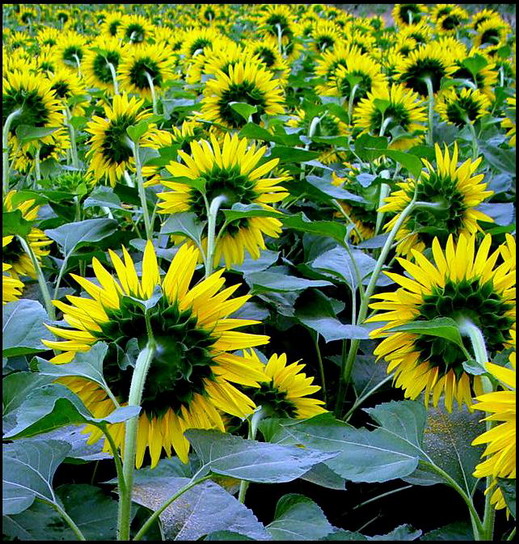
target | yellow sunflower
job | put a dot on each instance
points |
(484, 79)
(231, 169)
(462, 283)
(67, 85)
(11, 287)
(109, 153)
(454, 188)
(449, 18)
(327, 64)
(189, 380)
(508, 123)
(12, 252)
(405, 111)
(325, 36)
(105, 51)
(246, 83)
(70, 50)
(111, 23)
(196, 41)
(500, 452)
(269, 55)
(285, 391)
(143, 66)
(135, 29)
(408, 14)
(491, 34)
(463, 106)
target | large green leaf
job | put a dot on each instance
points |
(72, 236)
(204, 509)
(460, 530)
(53, 406)
(23, 328)
(28, 471)
(333, 229)
(244, 211)
(103, 196)
(14, 224)
(298, 518)
(251, 460)
(269, 281)
(186, 223)
(508, 487)
(444, 327)
(292, 154)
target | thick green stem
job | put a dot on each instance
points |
(253, 421)
(430, 92)
(72, 133)
(385, 189)
(69, 520)
(384, 126)
(315, 338)
(41, 278)
(153, 94)
(130, 440)
(347, 365)
(117, 460)
(5, 147)
(350, 103)
(142, 191)
(212, 212)
(151, 520)
(111, 67)
(37, 169)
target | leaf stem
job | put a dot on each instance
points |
(140, 186)
(430, 92)
(253, 421)
(212, 212)
(111, 67)
(69, 520)
(152, 89)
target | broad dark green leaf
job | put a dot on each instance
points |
(23, 328)
(137, 130)
(203, 509)
(103, 196)
(298, 518)
(509, 490)
(365, 144)
(72, 236)
(13, 224)
(267, 258)
(243, 109)
(268, 281)
(28, 471)
(503, 213)
(26, 133)
(292, 154)
(333, 229)
(184, 223)
(253, 461)
(444, 327)
(460, 530)
(243, 211)
(503, 160)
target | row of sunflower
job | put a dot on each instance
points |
(153, 154)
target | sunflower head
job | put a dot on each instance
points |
(134, 29)
(105, 51)
(11, 287)
(463, 106)
(454, 192)
(509, 122)
(408, 14)
(463, 282)
(193, 365)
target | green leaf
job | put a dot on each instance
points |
(72, 236)
(53, 406)
(459, 530)
(473, 367)
(332, 229)
(365, 144)
(292, 154)
(244, 109)
(364, 456)
(186, 223)
(255, 132)
(204, 509)
(26, 133)
(401, 533)
(474, 64)
(444, 327)
(298, 518)
(103, 196)
(243, 211)
(137, 130)
(407, 160)
(23, 328)
(503, 160)
(28, 471)
(509, 490)
(267, 281)
(13, 224)
(250, 460)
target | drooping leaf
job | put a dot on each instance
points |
(268, 281)
(459, 530)
(298, 518)
(13, 224)
(333, 229)
(103, 196)
(244, 211)
(444, 327)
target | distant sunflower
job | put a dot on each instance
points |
(196, 41)
(420, 33)
(484, 79)
(456, 187)
(231, 169)
(189, 380)
(285, 391)
(70, 50)
(47, 36)
(453, 21)
(67, 85)
(135, 29)
(269, 56)
(325, 36)
(501, 439)
(459, 107)
(247, 83)
(508, 123)
(143, 63)
(428, 62)
(278, 21)
(405, 110)
(408, 14)
(111, 23)
(11, 287)
(13, 253)
(492, 34)
(462, 283)
(327, 64)
(482, 16)
(96, 68)
(109, 153)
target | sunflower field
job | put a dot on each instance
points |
(259, 269)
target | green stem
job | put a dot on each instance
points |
(430, 92)
(145, 528)
(41, 278)
(117, 459)
(362, 398)
(385, 189)
(37, 169)
(142, 191)
(130, 441)
(5, 147)
(253, 421)
(152, 89)
(69, 520)
(350, 102)
(111, 67)
(72, 133)
(315, 338)
(212, 212)
(354, 346)
(60, 276)
(511, 536)
(475, 145)
(349, 219)
(384, 125)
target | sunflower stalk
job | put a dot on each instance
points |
(152, 90)
(111, 67)
(72, 133)
(134, 146)
(212, 212)
(142, 366)
(430, 92)
(280, 38)
(350, 102)
(384, 126)
(475, 146)
(41, 278)
(5, 146)
(37, 168)
(347, 362)
(253, 421)
(69, 520)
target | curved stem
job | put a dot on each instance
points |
(315, 338)
(5, 147)
(152, 89)
(37, 169)
(72, 133)
(41, 278)
(142, 191)
(350, 102)
(253, 421)
(117, 460)
(130, 440)
(69, 520)
(430, 92)
(211, 228)
(384, 125)
(111, 67)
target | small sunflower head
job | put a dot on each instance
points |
(408, 14)
(11, 287)
(463, 106)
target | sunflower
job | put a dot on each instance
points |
(278, 21)
(484, 79)
(246, 83)
(12, 252)
(492, 34)
(500, 451)
(196, 41)
(231, 169)
(110, 154)
(67, 85)
(327, 64)
(481, 17)
(452, 22)
(11, 287)
(404, 111)
(36, 101)
(455, 188)
(269, 55)
(189, 378)
(285, 391)
(47, 36)
(407, 14)
(508, 123)
(420, 33)
(325, 36)
(428, 62)
(459, 107)
(142, 64)
(70, 50)
(96, 65)
(461, 284)
(135, 29)
(27, 16)
(111, 23)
